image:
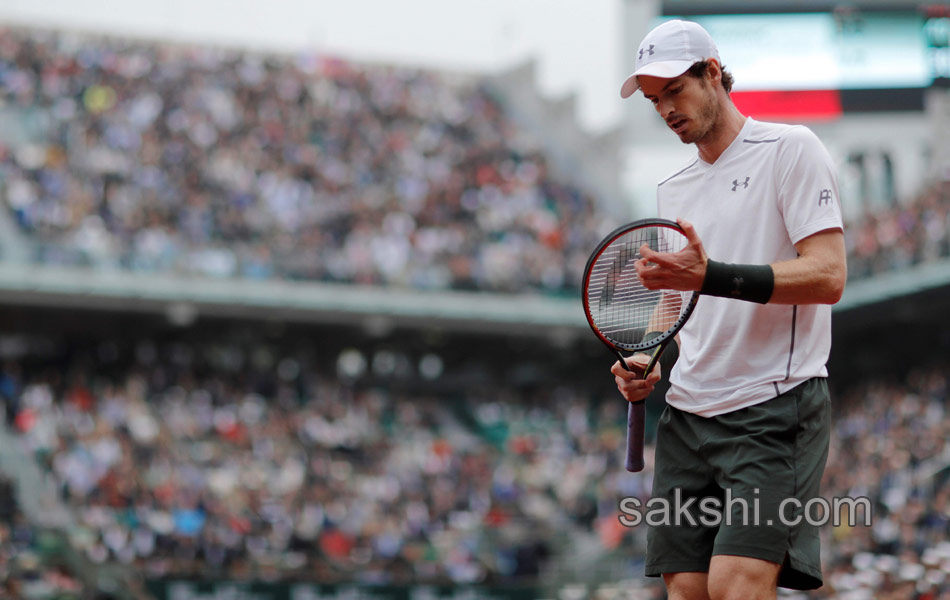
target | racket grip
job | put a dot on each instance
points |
(636, 421)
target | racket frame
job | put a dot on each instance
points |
(636, 410)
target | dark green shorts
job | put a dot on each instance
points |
(762, 455)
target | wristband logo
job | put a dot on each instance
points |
(737, 286)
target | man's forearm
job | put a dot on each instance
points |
(807, 280)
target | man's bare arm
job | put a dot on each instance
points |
(817, 276)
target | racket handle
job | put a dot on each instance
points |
(636, 422)
(636, 419)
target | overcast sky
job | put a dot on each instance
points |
(576, 42)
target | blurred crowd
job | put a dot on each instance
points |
(901, 236)
(29, 570)
(892, 445)
(186, 462)
(231, 163)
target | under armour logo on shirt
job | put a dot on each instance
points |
(736, 183)
(647, 50)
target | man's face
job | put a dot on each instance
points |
(688, 104)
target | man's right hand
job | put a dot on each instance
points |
(631, 383)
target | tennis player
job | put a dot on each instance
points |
(747, 418)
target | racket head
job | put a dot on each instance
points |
(619, 309)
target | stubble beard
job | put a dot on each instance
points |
(708, 118)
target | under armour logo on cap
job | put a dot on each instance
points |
(648, 50)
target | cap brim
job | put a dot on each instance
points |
(666, 69)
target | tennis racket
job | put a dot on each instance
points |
(628, 317)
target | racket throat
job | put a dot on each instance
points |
(654, 357)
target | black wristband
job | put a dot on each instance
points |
(753, 283)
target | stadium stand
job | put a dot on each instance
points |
(891, 446)
(186, 460)
(185, 467)
(30, 567)
(908, 234)
(229, 163)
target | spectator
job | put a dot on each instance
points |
(225, 163)
(182, 463)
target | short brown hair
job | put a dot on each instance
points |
(700, 68)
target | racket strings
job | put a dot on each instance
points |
(620, 306)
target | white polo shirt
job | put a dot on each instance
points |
(773, 186)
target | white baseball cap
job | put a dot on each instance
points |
(669, 50)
